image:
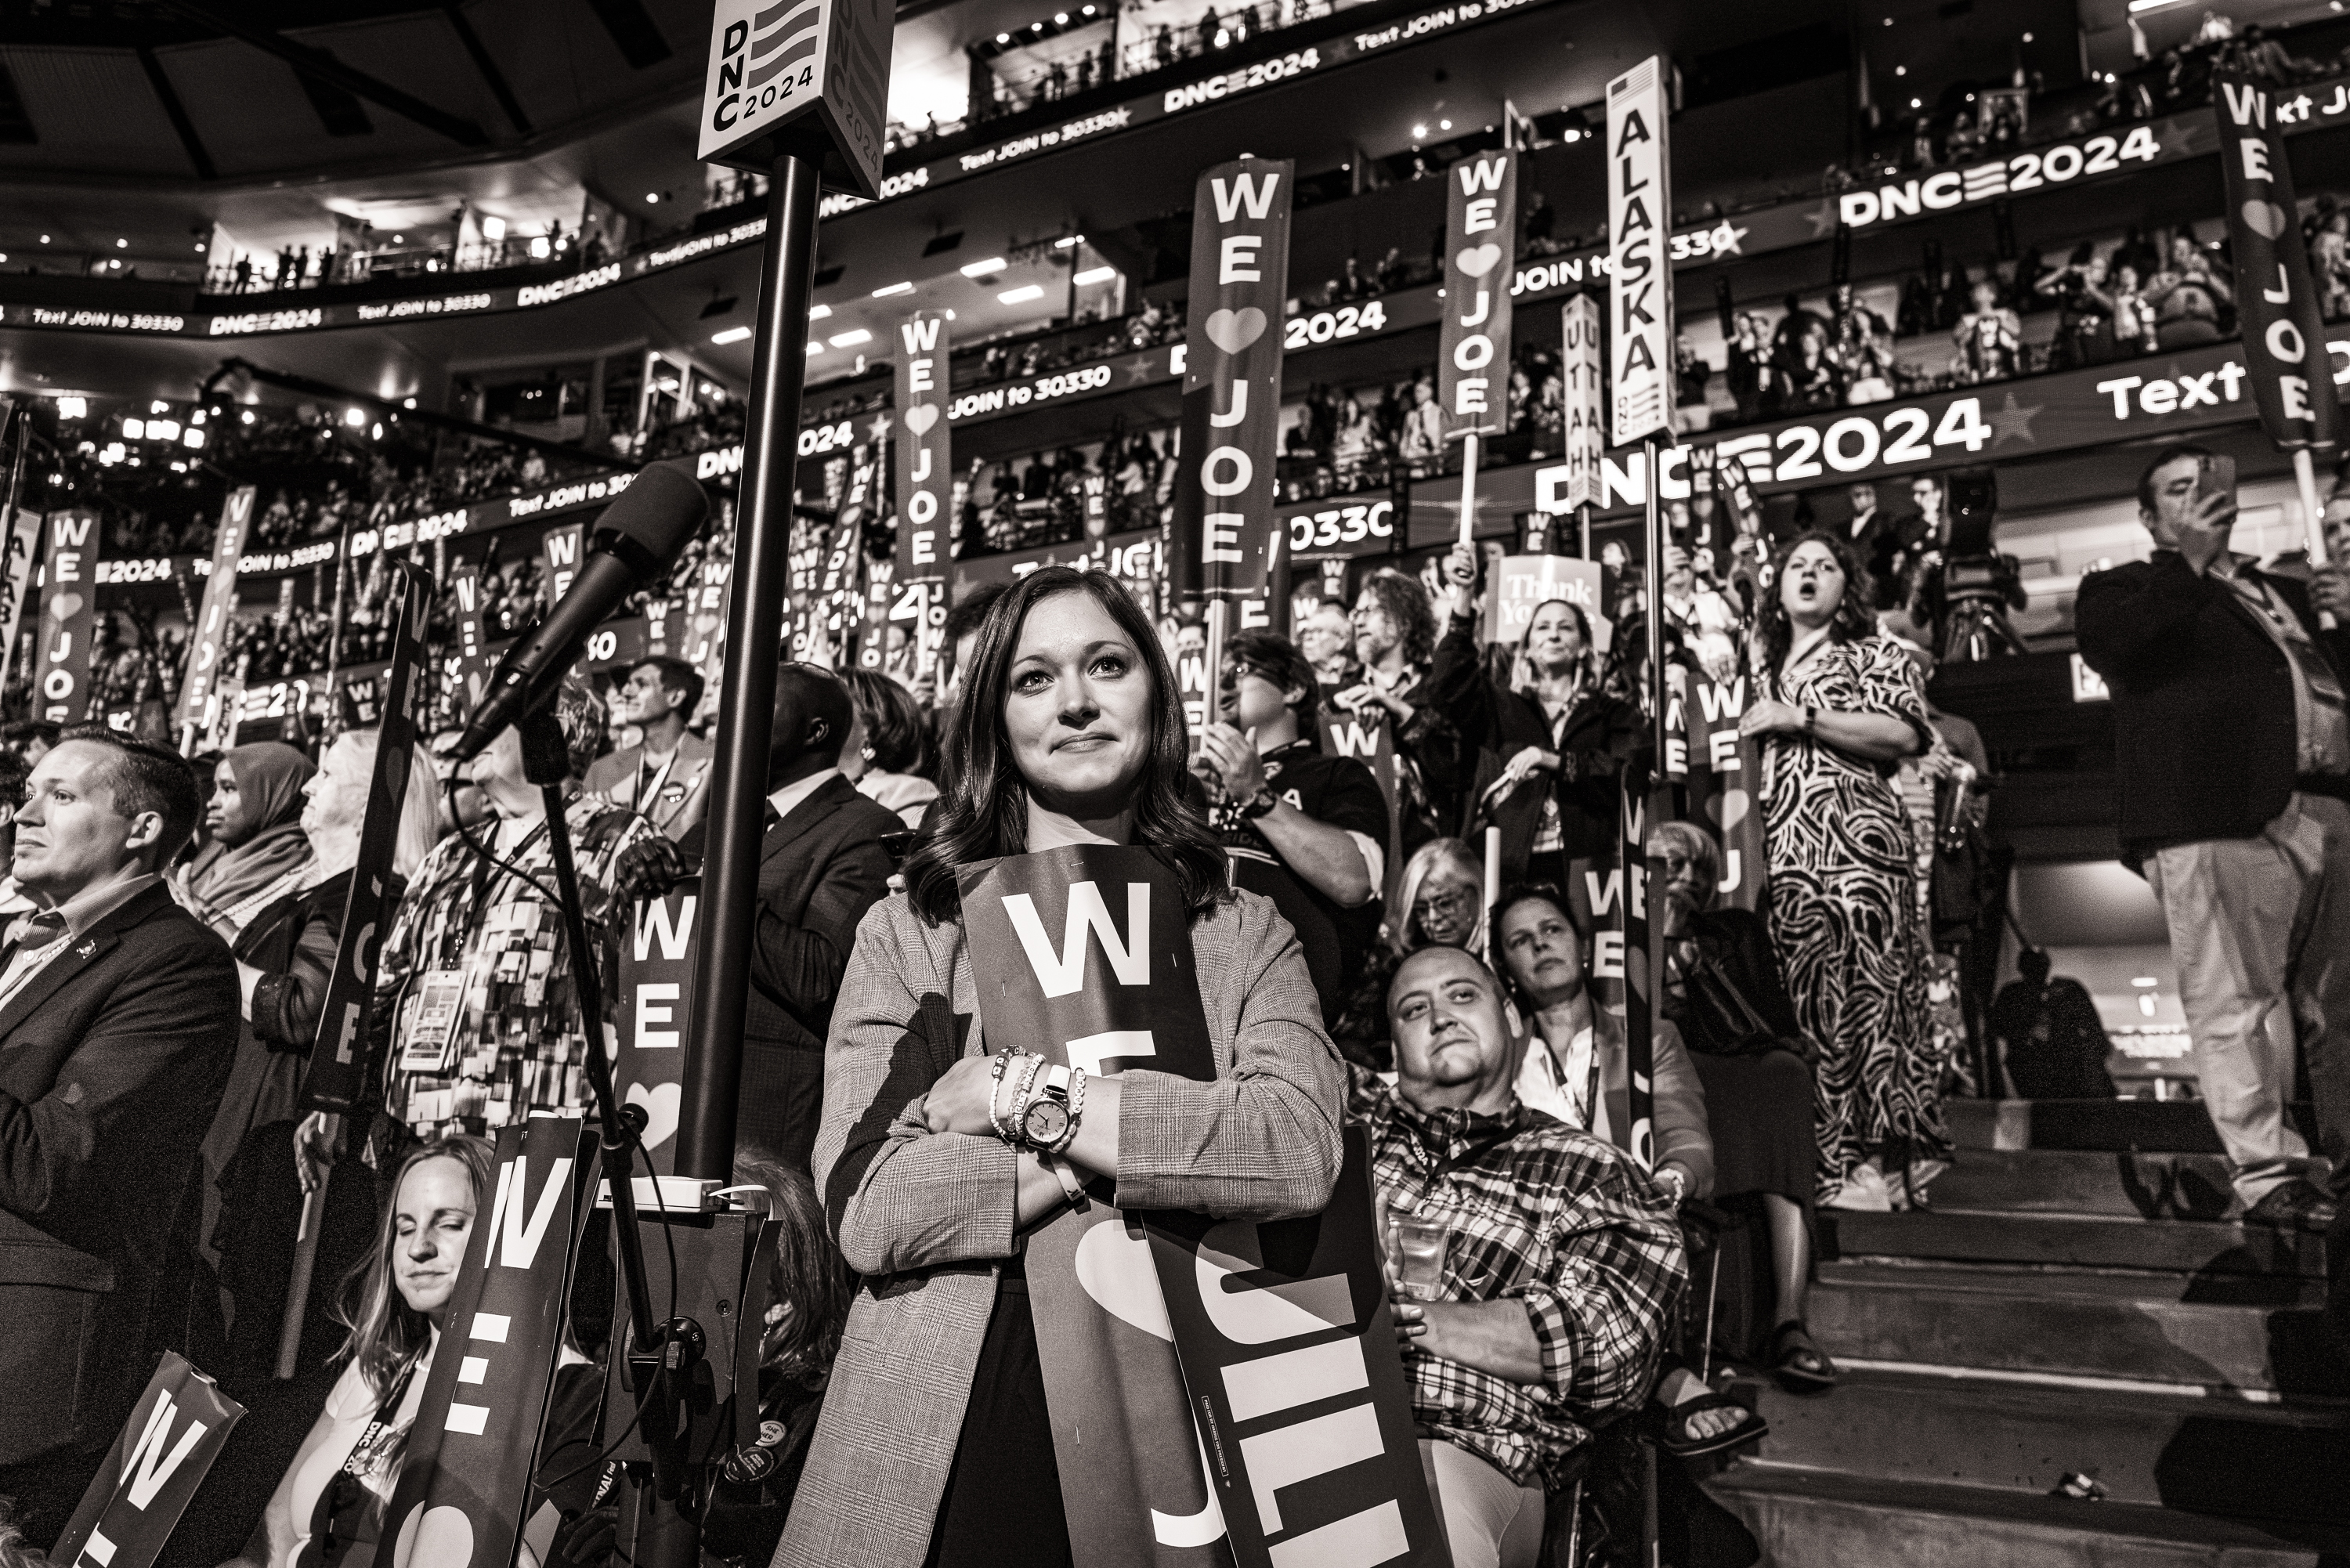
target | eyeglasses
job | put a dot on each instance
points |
(1231, 678)
(1456, 903)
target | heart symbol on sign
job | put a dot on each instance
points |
(661, 1111)
(1478, 260)
(1233, 331)
(65, 607)
(1115, 1270)
(2265, 219)
(921, 416)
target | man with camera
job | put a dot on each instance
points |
(2233, 752)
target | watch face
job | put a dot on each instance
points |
(1045, 1120)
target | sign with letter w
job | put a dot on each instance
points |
(176, 1430)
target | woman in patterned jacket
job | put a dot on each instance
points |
(1838, 707)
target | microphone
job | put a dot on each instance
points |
(635, 540)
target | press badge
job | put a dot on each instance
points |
(433, 1029)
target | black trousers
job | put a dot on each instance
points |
(1002, 1501)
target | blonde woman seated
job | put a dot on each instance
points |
(1441, 897)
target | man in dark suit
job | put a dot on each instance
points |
(2232, 749)
(821, 867)
(117, 1021)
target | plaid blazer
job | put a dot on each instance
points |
(926, 1218)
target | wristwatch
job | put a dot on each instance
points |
(1068, 1179)
(1048, 1120)
(1259, 803)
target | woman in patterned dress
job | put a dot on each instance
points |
(1838, 706)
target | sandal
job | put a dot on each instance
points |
(1751, 1427)
(1799, 1366)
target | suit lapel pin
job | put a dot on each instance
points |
(86, 949)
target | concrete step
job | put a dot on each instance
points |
(2078, 1240)
(2196, 1453)
(2219, 1332)
(1811, 1519)
(2063, 1181)
(2174, 1126)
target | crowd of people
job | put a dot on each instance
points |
(172, 926)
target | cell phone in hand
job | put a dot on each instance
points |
(2217, 477)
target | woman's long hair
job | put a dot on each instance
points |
(984, 812)
(810, 1277)
(1452, 853)
(1854, 618)
(385, 1333)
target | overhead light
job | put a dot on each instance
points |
(732, 335)
(2027, 37)
(814, 347)
(1418, 131)
(408, 403)
(652, 197)
(1002, 38)
(2146, 979)
(1571, 133)
(541, 247)
(981, 268)
(162, 430)
(1067, 241)
(248, 416)
(45, 239)
(122, 244)
(1096, 274)
(73, 408)
(886, 292)
(851, 338)
(1022, 295)
(2138, 5)
(159, 407)
(354, 418)
(819, 312)
(134, 429)
(1443, 125)
(114, 265)
(494, 229)
(199, 249)
(1916, 103)
(399, 239)
(1061, 20)
(1902, 70)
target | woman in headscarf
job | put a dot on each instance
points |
(284, 957)
(257, 846)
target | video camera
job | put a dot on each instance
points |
(1969, 593)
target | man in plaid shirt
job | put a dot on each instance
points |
(1561, 1265)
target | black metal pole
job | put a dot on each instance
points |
(754, 637)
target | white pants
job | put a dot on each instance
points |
(1490, 1520)
(2260, 932)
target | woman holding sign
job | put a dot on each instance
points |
(934, 1446)
(1838, 706)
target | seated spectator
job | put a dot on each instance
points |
(1439, 901)
(887, 754)
(1724, 994)
(1548, 1309)
(1305, 829)
(329, 1506)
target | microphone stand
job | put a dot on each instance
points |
(662, 1355)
